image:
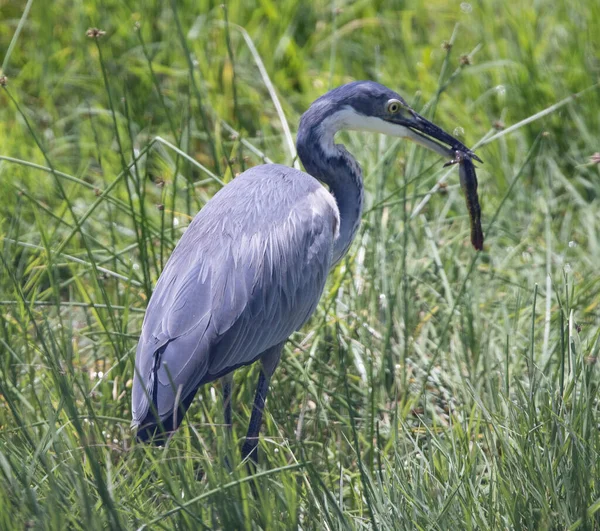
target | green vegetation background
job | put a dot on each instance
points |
(435, 387)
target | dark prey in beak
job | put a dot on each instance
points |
(468, 182)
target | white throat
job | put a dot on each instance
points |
(348, 119)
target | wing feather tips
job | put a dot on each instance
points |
(163, 393)
(156, 430)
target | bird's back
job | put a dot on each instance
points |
(248, 271)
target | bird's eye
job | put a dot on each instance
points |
(394, 106)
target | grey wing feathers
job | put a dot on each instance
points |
(249, 270)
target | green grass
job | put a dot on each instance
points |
(434, 388)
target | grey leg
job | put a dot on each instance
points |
(269, 361)
(227, 382)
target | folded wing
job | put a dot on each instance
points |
(248, 272)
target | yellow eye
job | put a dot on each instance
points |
(394, 106)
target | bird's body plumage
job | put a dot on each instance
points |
(248, 272)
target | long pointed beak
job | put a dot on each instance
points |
(429, 135)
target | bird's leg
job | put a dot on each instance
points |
(227, 382)
(250, 444)
(269, 361)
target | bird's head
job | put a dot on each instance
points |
(370, 106)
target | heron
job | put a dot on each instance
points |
(251, 267)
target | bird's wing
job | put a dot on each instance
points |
(248, 271)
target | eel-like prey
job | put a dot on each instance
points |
(468, 182)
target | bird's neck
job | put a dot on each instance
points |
(333, 165)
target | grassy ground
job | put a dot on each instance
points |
(435, 388)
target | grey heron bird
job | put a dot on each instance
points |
(251, 267)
